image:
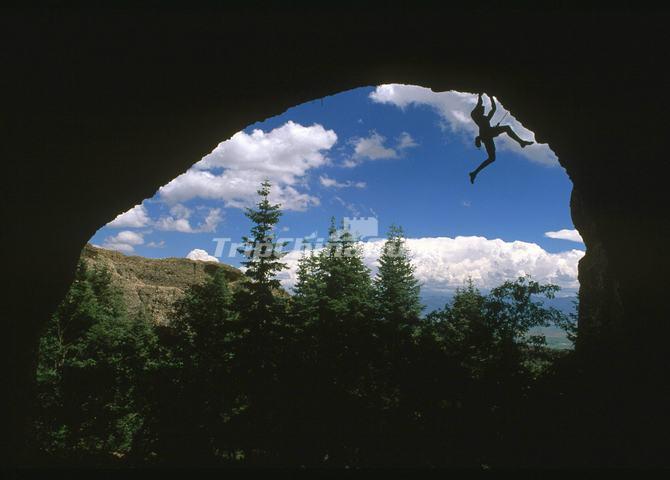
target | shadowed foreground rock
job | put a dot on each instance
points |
(103, 107)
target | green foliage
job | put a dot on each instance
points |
(569, 324)
(397, 289)
(308, 289)
(192, 389)
(347, 288)
(345, 372)
(205, 320)
(93, 361)
(491, 333)
(512, 311)
(263, 253)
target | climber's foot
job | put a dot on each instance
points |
(472, 177)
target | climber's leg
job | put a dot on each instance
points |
(511, 133)
(491, 151)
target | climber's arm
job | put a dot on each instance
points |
(493, 108)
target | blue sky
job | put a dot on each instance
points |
(398, 153)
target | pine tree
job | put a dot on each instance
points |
(92, 358)
(263, 256)
(466, 331)
(347, 285)
(266, 337)
(398, 307)
(340, 343)
(308, 289)
(204, 316)
(203, 343)
(397, 289)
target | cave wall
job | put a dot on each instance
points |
(101, 107)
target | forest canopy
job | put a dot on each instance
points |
(347, 370)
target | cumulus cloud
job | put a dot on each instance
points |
(332, 183)
(373, 147)
(202, 255)
(565, 234)
(443, 263)
(179, 220)
(454, 110)
(235, 168)
(136, 217)
(124, 241)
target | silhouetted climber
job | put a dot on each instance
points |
(487, 133)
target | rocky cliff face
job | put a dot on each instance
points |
(105, 107)
(151, 286)
(601, 319)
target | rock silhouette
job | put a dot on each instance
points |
(105, 105)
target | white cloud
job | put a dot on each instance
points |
(374, 147)
(211, 220)
(332, 183)
(136, 217)
(160, 244)
(178, 220)
(406, 141)
(443, 263)
(454, 109)
(171, 224)
(124, 241)
(180, 211)
(236, 167)
(565, 234)
(370, 148)
(202, 255)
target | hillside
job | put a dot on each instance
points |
(152, 285)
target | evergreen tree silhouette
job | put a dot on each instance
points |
(397, 289)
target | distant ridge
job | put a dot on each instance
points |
(150, 286)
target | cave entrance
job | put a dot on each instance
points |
(372, 157)
(375, 156)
